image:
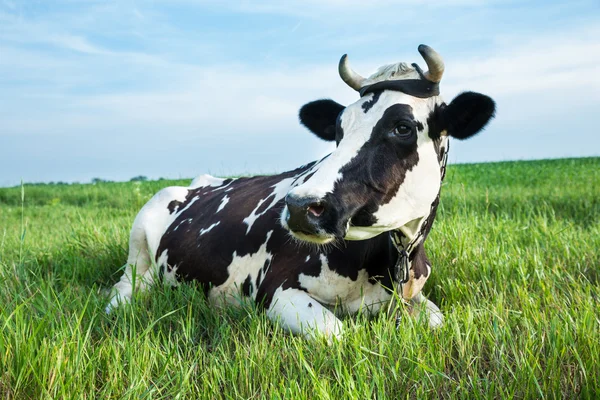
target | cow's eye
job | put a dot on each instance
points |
(403, 131)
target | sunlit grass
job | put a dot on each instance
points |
(516, 260)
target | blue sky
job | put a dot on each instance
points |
(115, 89)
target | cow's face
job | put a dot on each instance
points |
(385, 172)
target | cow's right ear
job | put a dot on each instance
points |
(320, 117)
(468, 114)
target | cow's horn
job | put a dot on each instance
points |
(354, 80)
(434, 63)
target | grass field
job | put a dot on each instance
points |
(516, 255)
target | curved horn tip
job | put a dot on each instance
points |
(348, 75)
(343, 60)
(434, 61)
(423, 49)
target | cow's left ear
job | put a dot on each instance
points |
(320, 117)
(467, 114)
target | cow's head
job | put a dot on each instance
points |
(385, 172)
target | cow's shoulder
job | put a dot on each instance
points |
(334, 275)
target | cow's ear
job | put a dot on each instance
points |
(320, 117)
(467, 114)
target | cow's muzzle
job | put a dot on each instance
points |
(306, 218)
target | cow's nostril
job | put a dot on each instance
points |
(316, 209)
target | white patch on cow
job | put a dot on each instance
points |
(179, 212)
(148, 227)
(301, 314)
(393, 72)
(224, 201)
(210, 228)
(414, 286)
(206, 180)
(323, 180)
(154, 218)
(239, 269)
(351, 295)
(416, 194)
(280, 190)
(361, 232)
(224, 188)
(307, 259)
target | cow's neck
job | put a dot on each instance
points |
(406, 238)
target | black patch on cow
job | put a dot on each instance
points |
(421, 88)
(372, 178)
(419, 126)
(419, 261)
(259, 276)
(225, 183)
(246, 286)
(367, 105)
(467, 114)
(320, 117)
(174, 206)
(434, 121)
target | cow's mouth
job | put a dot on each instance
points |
(305, 237)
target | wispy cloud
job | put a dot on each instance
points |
(76, 43)
(559, 61)
(112, 80)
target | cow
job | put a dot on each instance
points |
(336, 236)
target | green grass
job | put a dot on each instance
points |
(516, 272)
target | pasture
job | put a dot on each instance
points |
(516, 272)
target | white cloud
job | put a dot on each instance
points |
(520, 66)
(60, 83)
(76, 43)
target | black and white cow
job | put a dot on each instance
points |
(339, 234)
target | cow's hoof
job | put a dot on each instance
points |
(115, 301)
(331, 333)
(111, 306)
(436, 318)
(423, 308)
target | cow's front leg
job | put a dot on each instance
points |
(299, 313)
(420, 269)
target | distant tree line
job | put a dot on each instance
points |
(94, 181)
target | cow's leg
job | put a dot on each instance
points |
(299, 313)
(420, 269)
(138, 274)
(148, 227)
